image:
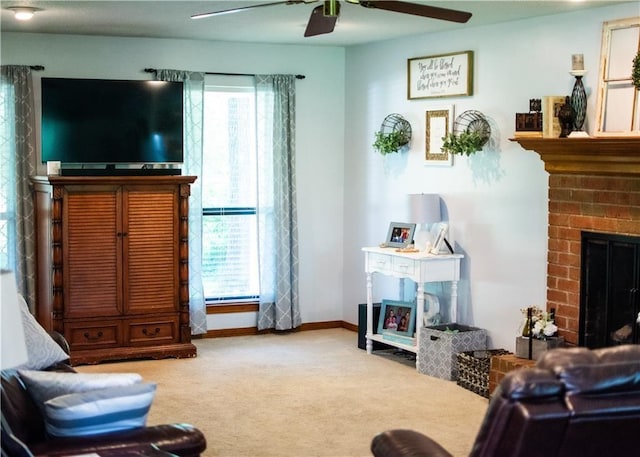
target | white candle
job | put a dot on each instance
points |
(577, 62)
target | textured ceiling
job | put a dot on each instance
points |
(282, 24)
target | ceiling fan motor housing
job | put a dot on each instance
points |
(331, 8)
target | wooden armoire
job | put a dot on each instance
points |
(113, 266)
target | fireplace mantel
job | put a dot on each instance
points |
(600, 156)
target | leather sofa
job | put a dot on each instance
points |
(574, 402)
(23, 430)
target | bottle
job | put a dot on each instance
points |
(526, 330)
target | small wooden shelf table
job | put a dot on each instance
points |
(417, 266)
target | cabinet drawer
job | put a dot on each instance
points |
(405, 267)
(93, 335)
(379, 262)
(151, 331)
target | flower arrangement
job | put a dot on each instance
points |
(543, 323)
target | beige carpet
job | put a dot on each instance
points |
(303, 394)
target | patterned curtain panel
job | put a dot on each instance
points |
(277, 213)
(17, 164)
(192, 166)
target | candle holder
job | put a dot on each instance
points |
(579, 104)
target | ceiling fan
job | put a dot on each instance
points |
(323, 17)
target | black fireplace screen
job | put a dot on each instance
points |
(610, 290)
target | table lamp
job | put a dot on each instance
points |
(425, 210)
(14, 346)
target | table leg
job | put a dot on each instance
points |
(454, 301)
(369, 344)
(419, 317)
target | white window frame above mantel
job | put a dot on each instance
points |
(616, 114)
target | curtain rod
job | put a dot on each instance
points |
(37, 67)
(153, 70)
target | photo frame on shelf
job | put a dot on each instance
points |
(438, 122)
(439, 240)
(442, 75)
(397, 320)
(400, 235)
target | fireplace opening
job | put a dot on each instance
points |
(609, 290)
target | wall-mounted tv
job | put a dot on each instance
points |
(99, 121)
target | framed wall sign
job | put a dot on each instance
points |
(438, 123)
(444, 75)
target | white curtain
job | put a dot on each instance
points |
(192, 166)
(277, 210)
(17, 165)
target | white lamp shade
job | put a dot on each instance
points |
(14, 347)
(425, 208)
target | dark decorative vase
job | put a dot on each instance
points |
(566, 117)
(579, 103)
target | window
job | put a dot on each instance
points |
(618, 106)
(229, 195)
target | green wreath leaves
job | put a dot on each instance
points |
(635, 73)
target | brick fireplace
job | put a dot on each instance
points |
(594, 186)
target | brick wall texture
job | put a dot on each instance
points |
(604, 204)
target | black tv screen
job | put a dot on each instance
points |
(97, 121)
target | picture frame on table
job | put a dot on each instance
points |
(438, 123)
(400, 235)
(440, 239)
(397, 320)
(442, 75)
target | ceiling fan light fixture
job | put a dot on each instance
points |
(23, 13)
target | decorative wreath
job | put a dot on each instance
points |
(635, 73)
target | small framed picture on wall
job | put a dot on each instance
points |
(438, 123)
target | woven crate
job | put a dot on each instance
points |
(473, 369)
(439, 345)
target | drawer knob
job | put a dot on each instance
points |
(155, 332)
(88, 337)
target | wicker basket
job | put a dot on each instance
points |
(473, 369)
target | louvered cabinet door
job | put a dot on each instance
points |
(92, 253)
(150, 250)
(116, 248)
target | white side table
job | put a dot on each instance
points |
(419, 267)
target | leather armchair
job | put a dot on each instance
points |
(24, 435)
(575, 401)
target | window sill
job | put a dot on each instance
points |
(230, 307)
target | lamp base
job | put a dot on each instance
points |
(422, 239)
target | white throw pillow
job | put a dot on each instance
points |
(99, 411)
(45, 385)
(42, 350)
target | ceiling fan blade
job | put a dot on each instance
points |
(244, 8)
(319, 23)
(416, 9)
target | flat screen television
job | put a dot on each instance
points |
(99, 121)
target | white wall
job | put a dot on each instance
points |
(319, 140)
(496, 201)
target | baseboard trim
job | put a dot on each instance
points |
(247, 331)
